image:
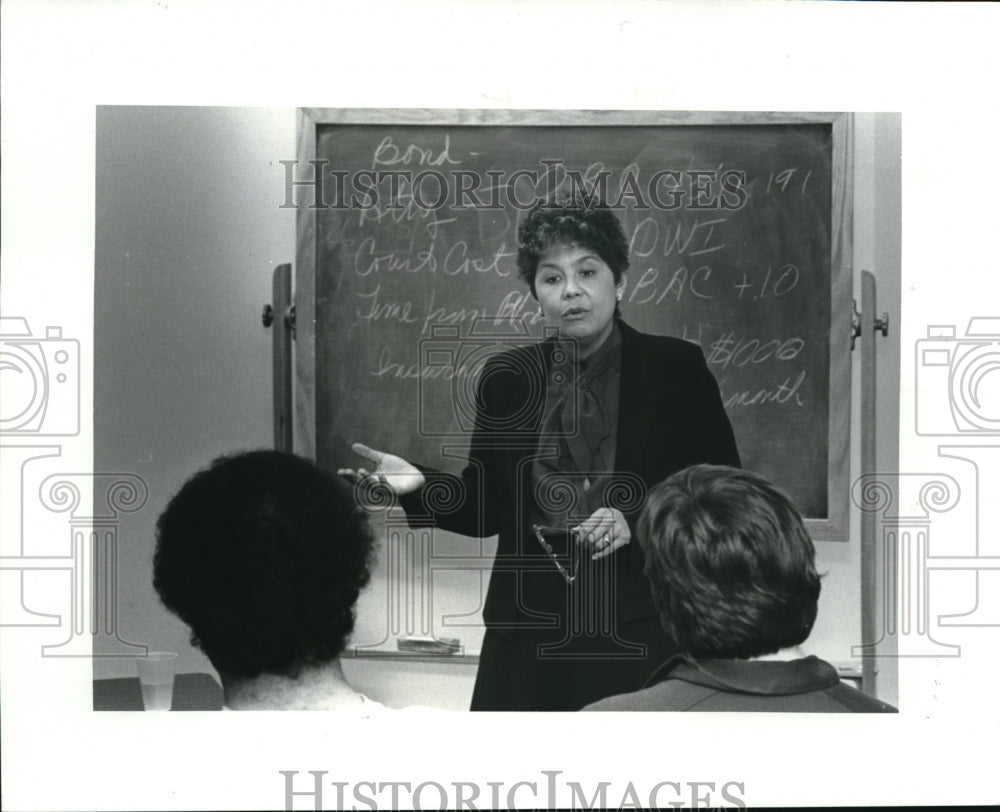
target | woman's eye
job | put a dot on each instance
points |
(587, 272)
(550, 280)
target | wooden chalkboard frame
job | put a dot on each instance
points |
(835, 527)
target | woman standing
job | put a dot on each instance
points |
(570, 433)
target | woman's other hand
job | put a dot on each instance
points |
(387, 469)
(605, 531)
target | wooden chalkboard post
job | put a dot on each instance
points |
(866, 327)
(281, 315)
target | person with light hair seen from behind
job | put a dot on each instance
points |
(733, 574)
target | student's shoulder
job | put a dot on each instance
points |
(855, 701)
(618, 702)
(668, 695)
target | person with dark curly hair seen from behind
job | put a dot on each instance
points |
(733, 574)
(263, 555)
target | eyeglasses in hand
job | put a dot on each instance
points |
(560, 545)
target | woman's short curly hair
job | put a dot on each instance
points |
(586, 222)
(730, 563)
(263, 555)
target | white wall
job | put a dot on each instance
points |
(188, 232)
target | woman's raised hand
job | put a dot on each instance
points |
(387, 469)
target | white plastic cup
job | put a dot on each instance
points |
(156, 678)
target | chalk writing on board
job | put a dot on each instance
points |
(785, 392)
(780, 180)
(694, 239)
(387, 153)
(449, 260)
(729, 242)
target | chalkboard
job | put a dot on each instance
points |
(739, 227)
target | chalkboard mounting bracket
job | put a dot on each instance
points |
(267, 317)
(881, 323)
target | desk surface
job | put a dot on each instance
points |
(192, 692)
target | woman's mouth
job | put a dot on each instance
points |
(574, 313)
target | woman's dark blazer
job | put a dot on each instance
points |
(670, 416)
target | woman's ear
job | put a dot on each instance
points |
(621, 287)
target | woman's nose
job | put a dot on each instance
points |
(571, 289)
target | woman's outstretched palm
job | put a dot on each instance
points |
(400, 476)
